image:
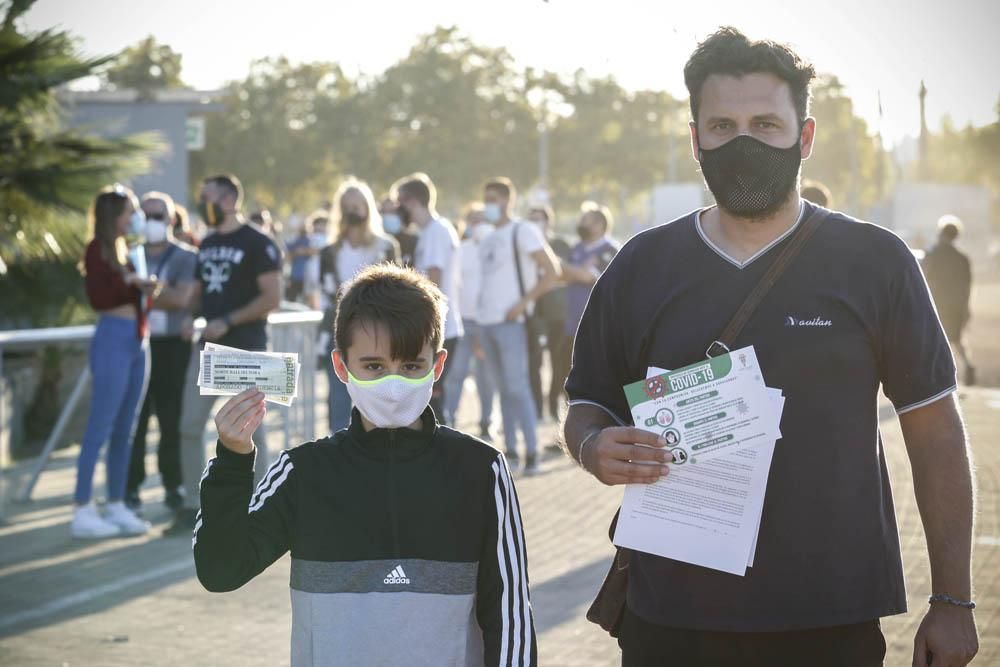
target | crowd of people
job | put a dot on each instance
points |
(394, 501)
(514, 291)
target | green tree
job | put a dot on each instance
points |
(146, 66)
(270, 133)
(846, 157)
(454, 109)
(612, 142)
(48, 176)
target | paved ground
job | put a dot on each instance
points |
(136, 602)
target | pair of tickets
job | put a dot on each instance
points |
(227, 371)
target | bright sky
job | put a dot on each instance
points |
(872, 45)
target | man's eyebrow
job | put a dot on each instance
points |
(768, 116)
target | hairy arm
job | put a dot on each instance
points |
(943, 483)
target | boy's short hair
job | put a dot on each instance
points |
(409, 305)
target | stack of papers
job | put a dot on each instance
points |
(721, 423)
(226, 371)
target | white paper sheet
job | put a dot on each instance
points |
(705, 513)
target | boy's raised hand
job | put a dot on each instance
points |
(239, 418)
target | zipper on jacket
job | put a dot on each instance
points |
(393, 519)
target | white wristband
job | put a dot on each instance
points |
(583, 445)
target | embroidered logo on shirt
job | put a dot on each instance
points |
(397, 576)
(791, 321)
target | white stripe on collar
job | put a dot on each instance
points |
(757, 255)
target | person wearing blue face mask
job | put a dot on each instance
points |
(397, 526)
(119, 362)
(397, 223)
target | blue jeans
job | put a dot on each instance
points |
(119, 364)
(460, 364)
(506, 348)
(338, 400)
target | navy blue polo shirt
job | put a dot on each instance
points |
(851, 314)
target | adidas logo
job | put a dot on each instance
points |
(397, 576)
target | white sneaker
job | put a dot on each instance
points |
(125, 519)
(88, 524)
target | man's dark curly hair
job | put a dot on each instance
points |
(728, 52)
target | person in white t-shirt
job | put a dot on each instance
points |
(468, 357)
(437, 257)
(517, 267)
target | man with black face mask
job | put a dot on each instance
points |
(850, 314)
(237, 284)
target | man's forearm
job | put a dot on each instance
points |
(256, 310)
(581, 422)
(943, 485)
(545, 284)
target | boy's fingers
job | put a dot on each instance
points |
(255, 420)
(238, 403)
(248, 412)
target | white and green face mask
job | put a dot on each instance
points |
(392, 401)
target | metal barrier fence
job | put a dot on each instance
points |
(293, 329)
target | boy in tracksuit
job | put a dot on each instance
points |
(405, 535)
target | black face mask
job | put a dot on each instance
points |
(353, 219)
(749, 178)
(212, 213)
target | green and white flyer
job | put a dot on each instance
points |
(707, 409)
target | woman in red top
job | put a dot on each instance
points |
(119, 362)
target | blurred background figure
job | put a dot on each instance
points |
(468, 356)
(404, 233)
(817, 193)
(183, 230)
(587, 261)
(549, 324)
(119, 362)
(300, 250)
(949, 275)
(517, 268)
(360, 242)
(172, 264)
(312, 292)
(238, 279)
(266, 223)
(437, 257)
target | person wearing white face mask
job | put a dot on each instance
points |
(517, 268)
(172, 263)
(401, 527)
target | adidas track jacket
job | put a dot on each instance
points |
(406, 546)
